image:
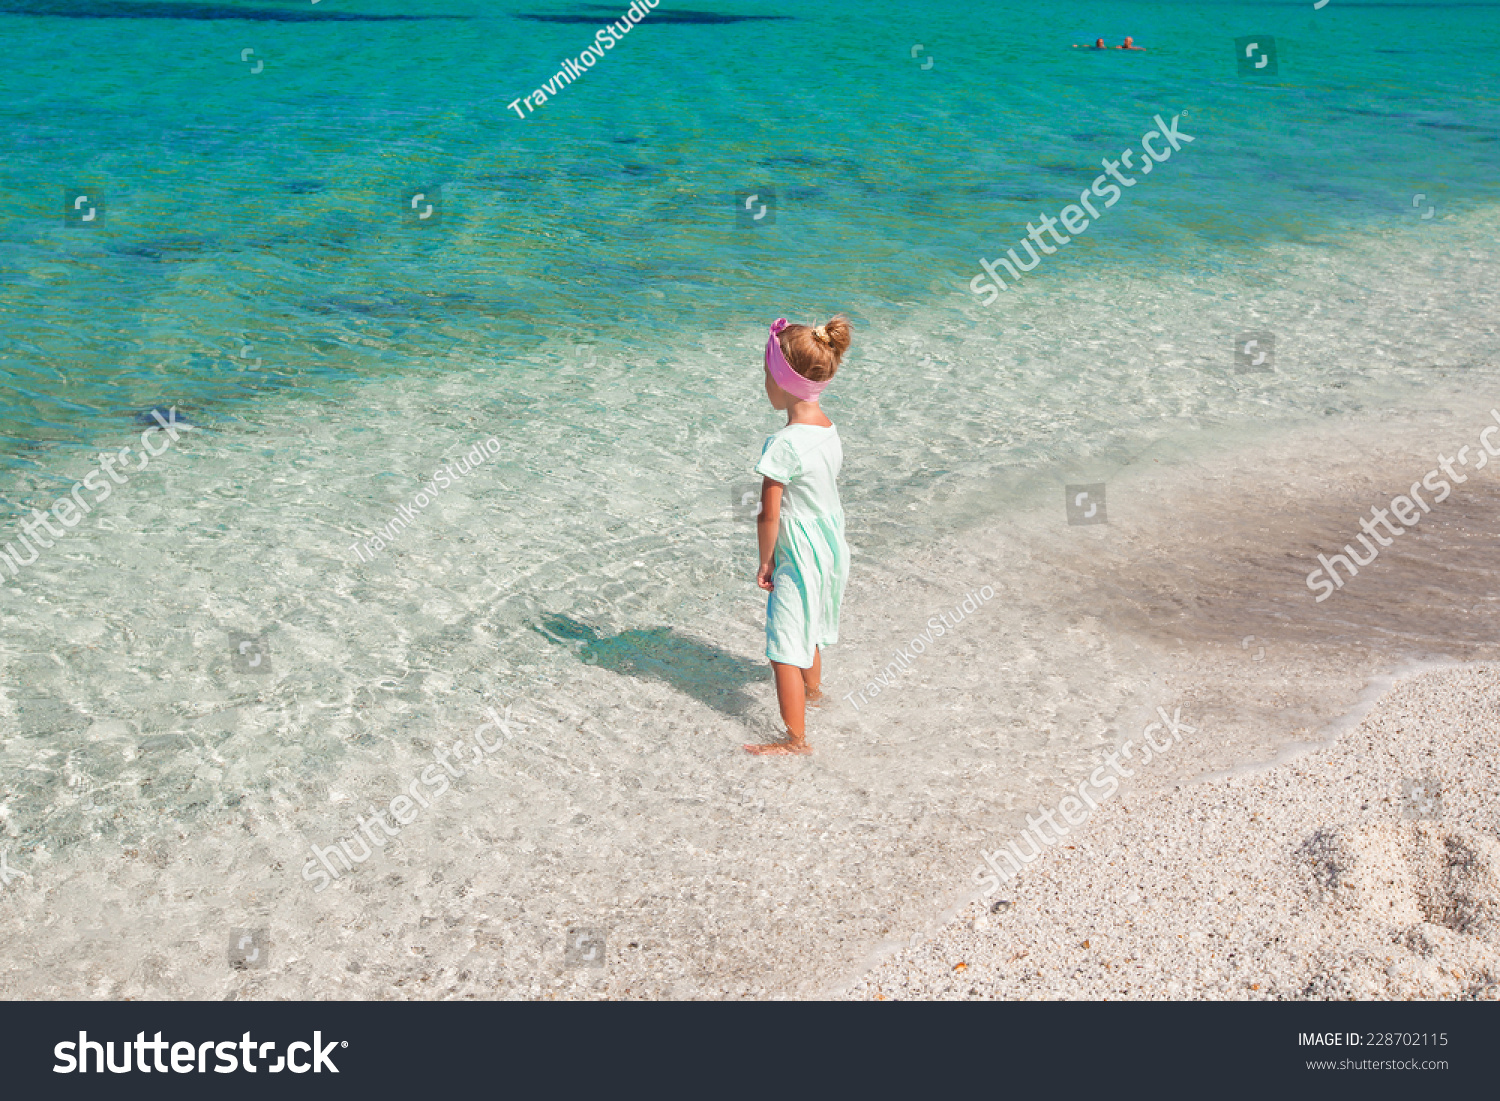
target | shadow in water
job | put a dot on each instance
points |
(658, 16)
(712, 676)
(126, 9)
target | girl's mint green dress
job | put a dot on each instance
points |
(812, 559)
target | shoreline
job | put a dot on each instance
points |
(1399, 899)
(905, 791)
(1376, 688)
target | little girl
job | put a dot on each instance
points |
(804, 560)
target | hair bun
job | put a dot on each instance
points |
(834, 334)
(814, 351)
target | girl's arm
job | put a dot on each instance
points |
(766, 526)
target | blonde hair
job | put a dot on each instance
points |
(814, 352)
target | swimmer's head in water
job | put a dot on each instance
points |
(1099, 44)
(1129, 42)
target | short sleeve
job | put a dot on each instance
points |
(779, 461)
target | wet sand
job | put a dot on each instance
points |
(1367, 869)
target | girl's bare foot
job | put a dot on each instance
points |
(792, 747)
(814, 696)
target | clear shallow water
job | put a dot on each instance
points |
(589, 300)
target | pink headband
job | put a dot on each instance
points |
(781, 371)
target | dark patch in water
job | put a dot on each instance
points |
(658, 16)
(797, 160)
(303, 187)
(421, 307)
(148, 416)
(637, 170)
(627, 141)
(166, 250)
(1462, 127)
(509, 178)
(382, 306)
(143, 9)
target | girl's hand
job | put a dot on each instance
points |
(766, 526)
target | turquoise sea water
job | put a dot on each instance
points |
(267, 209)
(589, 292)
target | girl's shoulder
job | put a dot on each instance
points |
(805, 430)
(804, 440)
(803, 437)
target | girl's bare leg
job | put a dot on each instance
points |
(812, 679)
(791, 695)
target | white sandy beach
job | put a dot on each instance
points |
(1327, 876)
(183, 800)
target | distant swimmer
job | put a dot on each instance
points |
(1098, 45)
(1129, 45)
